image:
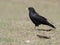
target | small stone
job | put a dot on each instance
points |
(27, 41)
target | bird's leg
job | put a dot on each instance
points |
(35, 27)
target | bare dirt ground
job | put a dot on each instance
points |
(17, 29)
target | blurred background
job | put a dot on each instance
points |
(17, 29)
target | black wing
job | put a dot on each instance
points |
(39, 18)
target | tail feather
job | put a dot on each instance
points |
(51, 25)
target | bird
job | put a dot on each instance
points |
(38, 19)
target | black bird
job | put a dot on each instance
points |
(38, 19)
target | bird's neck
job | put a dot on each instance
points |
(32, 11)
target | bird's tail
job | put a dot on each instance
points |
(51, 25)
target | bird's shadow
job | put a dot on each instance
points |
(44, 29)
(44, 37)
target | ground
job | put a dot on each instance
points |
(17, 29)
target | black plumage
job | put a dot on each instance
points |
(38, 19)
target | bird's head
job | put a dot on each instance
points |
(31, 9)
